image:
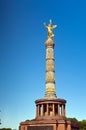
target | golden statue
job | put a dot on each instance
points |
(50, 27)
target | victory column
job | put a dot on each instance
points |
(50, 71)
(50, 110)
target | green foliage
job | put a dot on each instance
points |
(73, 119)
(5, 129)
(81, 123)
(30, 120)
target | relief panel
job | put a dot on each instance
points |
(40, 128)
(50, 65)
(49, 53)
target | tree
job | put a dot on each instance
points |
(82, 125)
(73, 119)
(5, 129)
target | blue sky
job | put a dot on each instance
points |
(22, 56)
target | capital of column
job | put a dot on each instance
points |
(49, 42)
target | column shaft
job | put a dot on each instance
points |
(42, 110)
(38, 110)
(50, 71)
(47, 110)
(62, 109)
(53, 109)
(58, 109)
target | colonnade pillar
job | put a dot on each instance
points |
(56, 109)
(36, 110)
(42, 110)
(47, 109)
(53, 109)
(62, 110)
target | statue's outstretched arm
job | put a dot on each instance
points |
(45, 25)
(54, 26)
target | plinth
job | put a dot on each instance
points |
(50, 115)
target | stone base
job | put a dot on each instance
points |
(49, 124)
(50, 115)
